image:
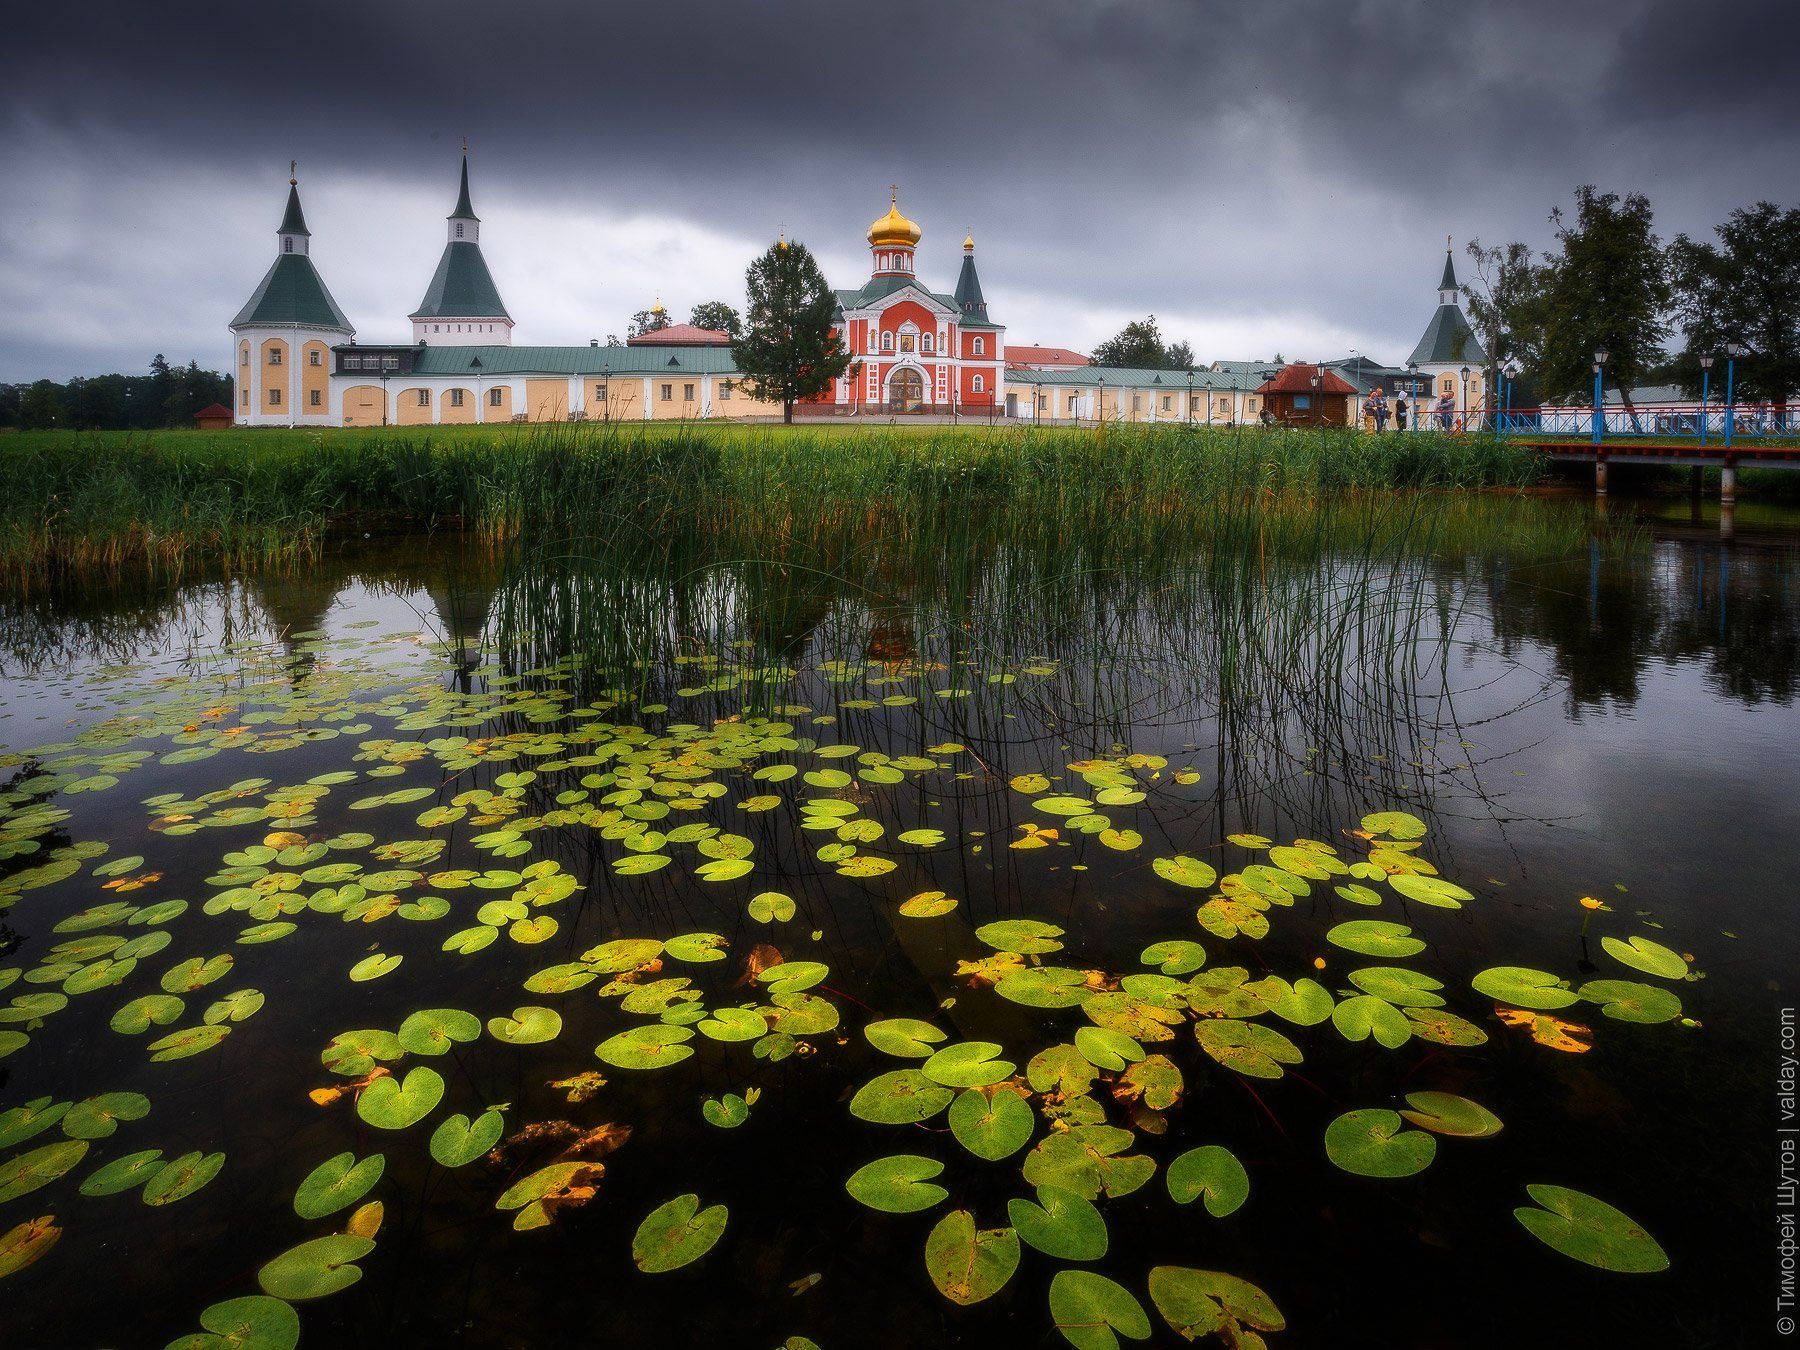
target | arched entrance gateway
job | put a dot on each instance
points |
(906, 390)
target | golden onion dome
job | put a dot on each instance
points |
(894, 228)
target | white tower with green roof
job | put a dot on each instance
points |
(281, 365)
(1448, 348)
(462, 306)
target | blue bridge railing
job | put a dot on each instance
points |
(1673, 421)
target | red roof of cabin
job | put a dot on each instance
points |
(1017, 355)
(214, 410)
(681, 335)
(1297, 378)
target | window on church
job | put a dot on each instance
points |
(313, 397)
(887, 342)
(243, 356)
(456, 398)
(315, 358)
(980, 384)
(244, 399)
(599, 392)
(459, 231)
(687, 393)
(495, 396)
(725, 390)
(275, 360)
(274, 398)
(668, 393)
(287, 245)
(424, 398)
(980, 346)
(1168, 403)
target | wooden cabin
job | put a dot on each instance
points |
(1301, 395)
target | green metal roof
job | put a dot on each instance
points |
(1122, 377)
(462, 287)
(1448, 339)
(292, 294)
(1449, 280)
(293, 221)
(463, 210)
(661, 360)
(880, 288)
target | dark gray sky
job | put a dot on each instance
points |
(1262, 177)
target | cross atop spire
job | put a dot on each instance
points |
(464, 211)
(293, 173)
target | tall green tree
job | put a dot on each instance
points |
(1746, 289)
(648, 321)
(788, 351)
(718, 316)
(1139, 345)
(1606, 286)
(1506, 306)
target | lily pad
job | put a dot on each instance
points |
(1106, 1049)
(968, 1265)
(903, 1037)
(316, 1268)
(337, 1183)
(1524, 987)
(967, 1064)
(1213, 1172)
(1176, 956)
(1092, 1311)
(392, 1104)
(25, 1172)
(1375, 937)
(1061, 1224)
(1371, 1143)
(123, 1174)
(1025, 937)
(99, 1116)
(181, 1177)
(529, 1025)
(647, 1047)
(1591, 1231)
(991, 1124)
(897, 1185)
(1640, 953)
(1185, 871)
(676, 1233)
(1447, 1113)
(27, 1242)
(254, 1322)
(1359, 1018)
(1429, 890)
(433, 1031)
(1197, 1303)
(458, 1141)
(903, 1097)
(1086, 1160)
(139, 1015)
(1631, 1000)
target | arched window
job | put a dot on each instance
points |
(980, 385)
(287, 245)
(980, 346)
(927, 341)
(459, 231)
(887, 342)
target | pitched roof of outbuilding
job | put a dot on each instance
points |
(498, 360)
(681, 335)
(292, 294)
(1297, 378)
(1044, 356)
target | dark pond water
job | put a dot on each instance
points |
(1615, 723)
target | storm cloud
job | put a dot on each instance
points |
(1263, 178)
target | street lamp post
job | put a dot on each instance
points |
(1599, 419)
(1099, 398)
(1465, 398)
(1706, 365)
(1733, 350)
(1188, 415)
(1155, 380)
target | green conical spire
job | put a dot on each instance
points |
(1449, 281)
(293, 222)
(968, 286)
(464, 211)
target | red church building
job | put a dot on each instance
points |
(913, 349)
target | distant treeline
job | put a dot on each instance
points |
(168, 396)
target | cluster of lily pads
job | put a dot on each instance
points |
(505, 771)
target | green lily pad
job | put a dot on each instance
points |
(1632, 1001)
(1524, 988)
(897, 1185)
(1044, 986)
(771, 907)
(253, 1322)
(1246, 1047)
(316, 1268)
(1433, 891)
(1061, 1224)
(1185, 871)
(529, 1025)
(336, 1184)
(1396, 985)
(1371, 1143)
(236, 1006)
(1025, 937)
(188, 1041)
(34, 1117)
(903, 1037)
(968, 1265)
(99, 1116)
(1086, 1160)
(25, 1172)
(433, 1031)
(676, 1233)
(392, 1104)
(1447, 1113)
(967, 1064)
(123, 1174)
(902, 1097)
(1591, 1231)
(790, 977)
(727, 1112)
(458, 1141)
(1107, 1049)
(1364, 1016)
(1092, 1311)
(1177, 956)
(374, 967)
(647, 1047)
(181, 1177)
(1212, 1171)
(1197, 1303)
(1394, 824)
(139, 1015)
(1640, 953)
(992, 1124)
(1375, 937)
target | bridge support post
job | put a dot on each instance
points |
(1696, 479)
(1728, 484)
(1599, 475)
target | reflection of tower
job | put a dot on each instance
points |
(295, 605)
(462, 604)
(891, 636)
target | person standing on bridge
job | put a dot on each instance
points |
(1399, 410)
(1446, 410)
(1379, 402)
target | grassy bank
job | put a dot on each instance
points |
(77, 504)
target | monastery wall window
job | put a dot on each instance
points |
(456, 398)
(1168, 404)
(243, 356)
(494, 396)
(687, 393)
(287, 245)
(459, 229)
(725, 390)
(315, 358)
(274, 398)
(980, 385)
(926, 340)
(887, 342)
(980, 346)
(313, 398)
(424, 398)
(275, 360)
(668, 393)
